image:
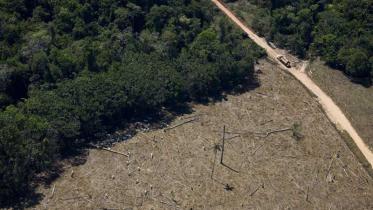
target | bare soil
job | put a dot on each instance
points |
(173, 169)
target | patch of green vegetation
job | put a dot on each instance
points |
(339, 32)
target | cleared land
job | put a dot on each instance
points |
(333, 112)
(355, 100)
(172, 169)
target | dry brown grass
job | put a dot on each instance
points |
(274, 172)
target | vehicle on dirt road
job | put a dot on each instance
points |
(284, 61)
(272, 45)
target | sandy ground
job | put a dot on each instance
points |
(333, 112)
(180, 168)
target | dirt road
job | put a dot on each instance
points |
(332, 111)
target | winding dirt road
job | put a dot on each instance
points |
(332, 111)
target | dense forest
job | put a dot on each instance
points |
(73, 70)
(339, 31)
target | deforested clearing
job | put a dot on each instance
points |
(305, 166)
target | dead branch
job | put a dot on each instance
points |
(232, 137)
(116, 152)
(262, 94)
(308, 189)
(222, 152)
(222, 146)
(110, 150)
(274, 131)
(54, 188)
(256, 190)
(289, 156)
(265, 122)
(263, 134)
(230, 168)
(73, 198)
(180, 124)
(252, 154)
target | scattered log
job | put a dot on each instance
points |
(274, 131)
(232, 137)
(265, 122)
(263, 134)
(116, 152)
(110, 150)
(307, 198)
(262, 94)
(230, 168)
(180, 124)
(289, 156)
(222, 146)
(256, 190)
(54, 188)
(252, 154)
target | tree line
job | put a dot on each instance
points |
(339, 31)
(72, 70)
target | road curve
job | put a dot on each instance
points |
(332, 111)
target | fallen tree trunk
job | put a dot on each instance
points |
(180, 124)
(274, 131)
(110, 150)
